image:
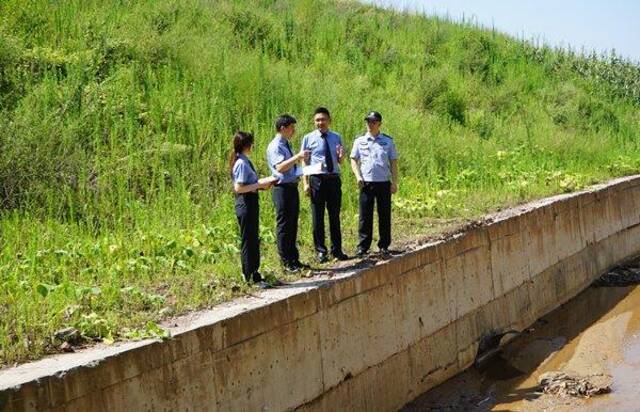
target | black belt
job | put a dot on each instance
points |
(327, 176)
(246, 193)
(291, 184)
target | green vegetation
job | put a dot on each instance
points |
(116, 118)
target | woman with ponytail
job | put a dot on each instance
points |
(245, 186)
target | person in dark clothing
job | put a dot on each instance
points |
(284, 165)
(323, 185)
(245, 186)
(374, 163)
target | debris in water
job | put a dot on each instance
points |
(489, 346)
(620, 276)
(560, 383)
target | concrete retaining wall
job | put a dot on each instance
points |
(374, 339)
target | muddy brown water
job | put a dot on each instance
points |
(596, 332)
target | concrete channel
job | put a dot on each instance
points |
(373, 338)
(595, 333)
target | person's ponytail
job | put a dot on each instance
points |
(241, 140)
(233, 156)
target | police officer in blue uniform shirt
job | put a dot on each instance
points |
(245, 186)
(284, 165)
(374, 163)
(323, 185)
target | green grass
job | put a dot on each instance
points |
(116, 119)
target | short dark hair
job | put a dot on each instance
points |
(322, 110)
(284, 120)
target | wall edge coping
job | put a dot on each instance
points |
(58, 365)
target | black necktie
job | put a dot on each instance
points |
(327, 154)
(295, 165)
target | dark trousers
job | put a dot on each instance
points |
(326, 192)
(286, 200)
(371, 193)
(248, 212)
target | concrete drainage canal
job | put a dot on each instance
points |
(377, 337)
(584, 356)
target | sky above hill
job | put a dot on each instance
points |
(591, 24)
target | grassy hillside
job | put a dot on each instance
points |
(116, 118)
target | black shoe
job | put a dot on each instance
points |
(384, 251)
(257, 277)
(291, 268)
(341, 256)
(277, 282)
(263, 285)
(301, 265)
(322, 257)
(361, 253)
(253, 278)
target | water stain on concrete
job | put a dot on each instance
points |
(596, 332)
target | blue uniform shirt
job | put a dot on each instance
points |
(315, 143)
(375, 155)
(243, 171)
(277, 152)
